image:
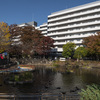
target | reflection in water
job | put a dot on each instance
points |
(89, 76)
(48, 80)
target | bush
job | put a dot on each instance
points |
(91, 93)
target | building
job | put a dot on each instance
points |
(74, 24)
(33, 23)
(71, 25)
(43, 28)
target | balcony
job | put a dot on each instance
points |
(74, 15)
(63, 43)
(75, 31)
(60, 43)
(43, 29)
(74, 20)
(44, 32)
(72, 37)
(73, 9)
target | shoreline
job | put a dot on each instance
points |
(67, 64)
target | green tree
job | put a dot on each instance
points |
(68, 50)
(80, 52)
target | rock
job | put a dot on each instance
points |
(0, 84)
(50, 83)
(58, 88)
(14, 85)
(77, 88)
(72, 90)
(63, 92)
(46, 87)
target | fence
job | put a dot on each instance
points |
(43, 96)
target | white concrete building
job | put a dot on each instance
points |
(73, 24)
(43, 29)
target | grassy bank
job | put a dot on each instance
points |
(71, 64)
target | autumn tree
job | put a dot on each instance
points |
(45, 45)
(92, 44)
(31, 41)
(4, 36)
(15, 47)
(68, 50)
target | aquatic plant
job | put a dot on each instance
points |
(21, 77)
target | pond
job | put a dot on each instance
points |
(47, 80)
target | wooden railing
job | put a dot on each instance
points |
(43, 96)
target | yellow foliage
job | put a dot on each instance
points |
(4, 36)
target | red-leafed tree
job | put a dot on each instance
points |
(45, 45)
(30, 38)
(92, 44)
(15, 47)
(31, 41)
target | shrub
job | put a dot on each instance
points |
(92, 92)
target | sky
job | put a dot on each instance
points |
(23, 11)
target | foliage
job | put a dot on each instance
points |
(31, 41)
(15, 47)
(92, 44)
(15, 50)
(45, 45)
(91, 93)
(16, 77)
(80, 52)
(4, 36)
(56, 64)
(68, 50)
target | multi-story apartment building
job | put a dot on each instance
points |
(43, 29)
(74, 24)
(71, 25)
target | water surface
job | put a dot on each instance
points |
(50, 81)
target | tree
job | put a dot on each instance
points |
(68, 50)
(15, 51)
(92, 44)
(4, 37)
(45, 45)
(15, 47)
(80, 52)
(31, 41)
